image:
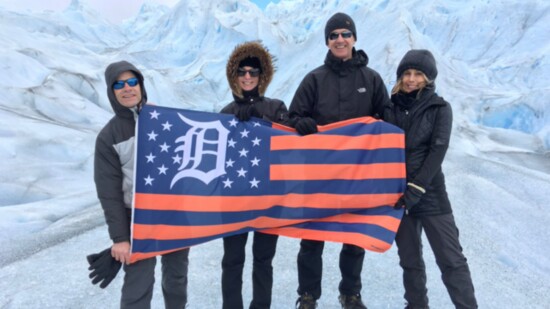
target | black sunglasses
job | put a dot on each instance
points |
(253, 72)
(334, 35)
(119, 84)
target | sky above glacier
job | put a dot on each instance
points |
(493, 62)
(114, 11)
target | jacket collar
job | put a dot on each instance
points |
(358, 59)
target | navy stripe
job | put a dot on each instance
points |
(385, 155)
(190, 218)
(281, 187)
(153, 245)
(371, 230)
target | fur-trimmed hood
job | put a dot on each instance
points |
(250, 49)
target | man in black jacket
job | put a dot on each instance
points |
(342, 88)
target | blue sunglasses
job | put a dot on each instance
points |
(119, 84)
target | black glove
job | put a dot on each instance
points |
(245, 111)
(104, 267)
(409, 199)
(306, 126)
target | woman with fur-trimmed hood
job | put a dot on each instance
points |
(249, 71)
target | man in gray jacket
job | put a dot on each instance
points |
(113, 175)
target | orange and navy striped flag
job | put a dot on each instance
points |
(201, 176)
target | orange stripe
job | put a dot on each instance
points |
(141, 256)
(242, 203)
(338, 142)
(339, 124)
(167, 232)
(336, 171)
(281, 127)
(361, 240)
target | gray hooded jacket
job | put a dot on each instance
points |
(114, 157)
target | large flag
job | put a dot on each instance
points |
(201, 176)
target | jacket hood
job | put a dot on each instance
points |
(111, 74)
(252, 50)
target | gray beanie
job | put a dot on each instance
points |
(340, 21)
(418, 59)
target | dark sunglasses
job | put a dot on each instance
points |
(334, 35)
(253, 72)
(119, 84)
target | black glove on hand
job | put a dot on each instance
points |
(245, 111)
(306, 126)
(410, 198)
(104, 267)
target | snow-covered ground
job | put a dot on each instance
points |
(492, 61)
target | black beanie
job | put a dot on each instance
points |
(339, 21)
(418, 59)
(252, 62)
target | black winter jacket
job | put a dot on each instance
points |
(427, 122)
(340, 90)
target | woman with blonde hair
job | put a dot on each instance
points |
(426, 119)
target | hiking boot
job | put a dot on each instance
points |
(306, 301)
(409, 306)
(351, 302)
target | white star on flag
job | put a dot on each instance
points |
(149, 180)
(150, 158)
(242, 172)
(164, 147)
(244, 133)
(166, 126)
(243, 153)
(256, 142)
(227, 183)
(254, 183)
(177, 159)
(154, 115)
(162, 169)
(152, 136)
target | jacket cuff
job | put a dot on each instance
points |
(417, 187)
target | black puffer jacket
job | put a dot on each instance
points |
(270, 109)
(427, 122)
(340, 90)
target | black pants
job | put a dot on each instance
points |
(442, 235)
(139, 279)
(263, 251)
(310, 268)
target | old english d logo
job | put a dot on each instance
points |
(195, 147)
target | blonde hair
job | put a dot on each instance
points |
(399, 84)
